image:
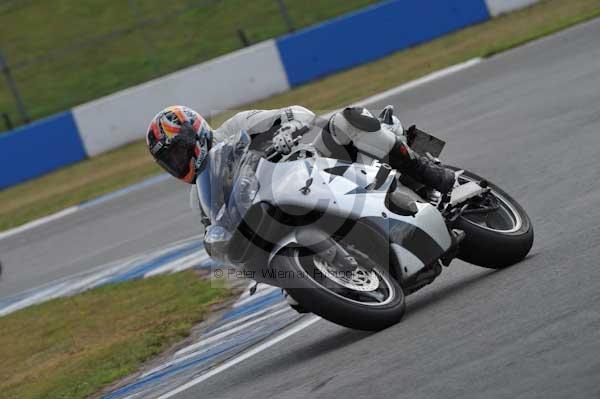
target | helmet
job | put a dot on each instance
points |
(179, 140)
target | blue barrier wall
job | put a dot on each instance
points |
(372, 33)
(39, 148)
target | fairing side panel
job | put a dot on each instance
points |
(340, 189)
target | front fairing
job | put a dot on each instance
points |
(339, 198)
(226, 185)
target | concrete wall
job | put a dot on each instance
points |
(220, 84)
(39, 148)
(236, 79)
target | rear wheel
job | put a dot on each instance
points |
(498, 230)
(363, 299)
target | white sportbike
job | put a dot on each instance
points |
(348, 241)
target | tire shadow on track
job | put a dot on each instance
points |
(334, 342)
(430, 298)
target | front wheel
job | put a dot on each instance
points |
(364, 299)
(498, 230)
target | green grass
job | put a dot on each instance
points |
(72, 347)
(183, 35)
(131, 163)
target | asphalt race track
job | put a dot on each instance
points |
(529, 120)
(146, 220)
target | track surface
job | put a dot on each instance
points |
(145, 220)
(529, 120)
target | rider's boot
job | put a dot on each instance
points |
(421, 168)
(433, 175)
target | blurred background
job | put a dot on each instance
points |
(55, 54)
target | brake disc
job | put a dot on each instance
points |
(360, 279)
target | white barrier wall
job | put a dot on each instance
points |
(497, 7)
(224, 83)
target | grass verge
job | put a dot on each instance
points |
(71, 347)
(100, 46)
(131, 163)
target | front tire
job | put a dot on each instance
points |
(336, 303)
(488, 245)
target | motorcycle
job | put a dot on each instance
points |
(349, 241)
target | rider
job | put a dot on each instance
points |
(179, 139)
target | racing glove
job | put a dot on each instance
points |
(283, 139)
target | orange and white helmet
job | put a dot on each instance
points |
(179, 140)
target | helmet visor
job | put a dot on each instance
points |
(176, 158)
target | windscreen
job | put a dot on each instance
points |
(226, 186)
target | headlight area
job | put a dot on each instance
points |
(245, 190)
(219, 235)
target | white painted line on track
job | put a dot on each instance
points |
(91, 278)
(194, 347)
(411, 85)
(204, 345)
(183, 263)
(157, 179)
(265, 345)
(38, 222)
(65, 286)
(420, 81)
(68, 211)
(124, 191)
(238, 321)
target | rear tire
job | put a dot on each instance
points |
(316, 298)
(490, 248)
